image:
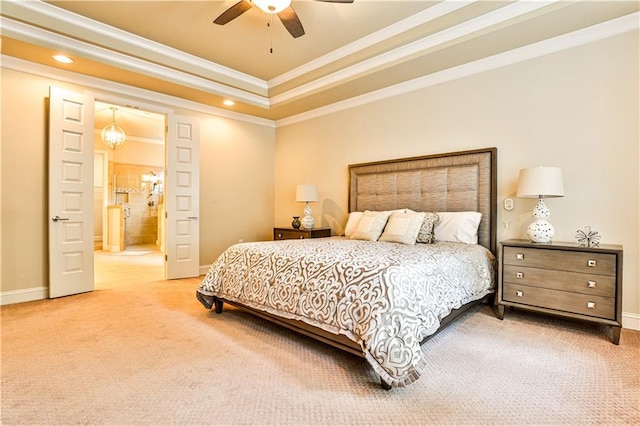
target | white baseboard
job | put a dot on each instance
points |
(25, 295)
(631, 321)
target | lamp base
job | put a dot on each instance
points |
(307, 221)
(540, 231)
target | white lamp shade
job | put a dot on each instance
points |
(540, 182)
(307, 193)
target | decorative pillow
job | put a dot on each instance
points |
(352, 223)
(371, 226)
(403, 227)
(426, 230)
(458, 227)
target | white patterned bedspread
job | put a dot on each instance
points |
(387, 297)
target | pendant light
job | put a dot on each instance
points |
(112, 135)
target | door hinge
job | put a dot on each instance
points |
(166, 258)
(166, 215)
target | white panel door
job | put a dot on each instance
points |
(70, 193)
(182, 200)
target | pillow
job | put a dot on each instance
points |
(354, 220)
(426, 230)
(403, 227)
(458, 227)
(352, 223)
(370, 226)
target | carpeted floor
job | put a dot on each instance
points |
(151, 354)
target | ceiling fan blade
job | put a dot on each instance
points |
(233, 12)
(336, 1)
(291, 22)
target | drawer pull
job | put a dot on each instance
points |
(519, 293)
(592, 263)
(301, 237)
(279, 235)
(591, 305)
(519, 275)
(592, 284)
(519, 256)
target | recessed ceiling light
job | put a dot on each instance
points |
(228, 102)
(63, 58)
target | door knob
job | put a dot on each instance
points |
(57, 218)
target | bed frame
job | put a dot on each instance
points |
(459, 181)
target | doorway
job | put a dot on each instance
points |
(128, 195)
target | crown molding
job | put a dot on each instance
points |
(577, 38)
(23, 31)
(420, 18)
(107, 89)
(50, 13)
(429, 42)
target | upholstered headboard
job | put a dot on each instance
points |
(458, 181)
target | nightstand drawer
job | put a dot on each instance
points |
(290, 235)
(300, 234)
(599, 285)
(591, 305)
(574, 261)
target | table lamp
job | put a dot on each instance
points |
(540, 182)
(307, 194)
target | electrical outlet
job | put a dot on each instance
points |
(508, 204)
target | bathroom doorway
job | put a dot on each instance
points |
(128, 194)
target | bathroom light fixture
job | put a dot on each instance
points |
(112, 135)
(63, 59)
(228, 102)
(540, 182)
(307, 194)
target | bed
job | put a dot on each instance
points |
(373, 293)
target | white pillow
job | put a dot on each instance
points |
(458, 227)
(352, 223)
(403, 227)
(370, 226)
(354, 220)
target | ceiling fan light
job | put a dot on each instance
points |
(272, 6)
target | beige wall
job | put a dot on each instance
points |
(236, 186)
(577, 109)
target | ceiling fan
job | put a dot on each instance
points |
(282, 8)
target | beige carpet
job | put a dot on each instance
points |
(151, 354)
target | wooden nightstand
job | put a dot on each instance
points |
(295, 234)
(565, 279)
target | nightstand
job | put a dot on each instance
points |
(565, 279)
(295, 234)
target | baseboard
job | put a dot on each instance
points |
(631, 321)
(25, 295)
(204, 269)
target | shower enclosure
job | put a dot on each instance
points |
(137, 197)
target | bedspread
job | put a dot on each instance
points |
(387, 297)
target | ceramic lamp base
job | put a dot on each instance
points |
(307, 221)
(540, 231)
